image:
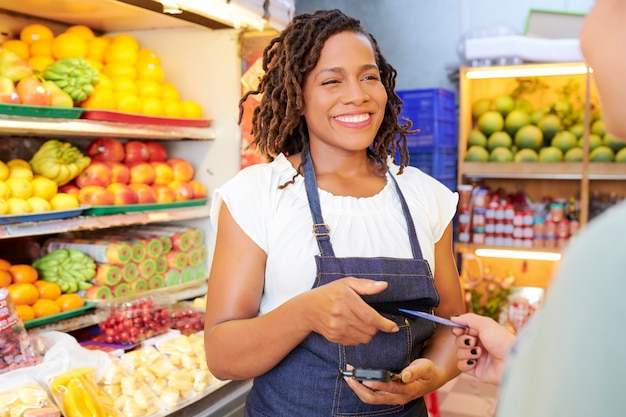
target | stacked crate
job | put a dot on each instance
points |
(434, 148)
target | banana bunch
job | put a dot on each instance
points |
(70, 268)
(76, 76)
(59, 161)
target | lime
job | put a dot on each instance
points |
(501, 154)
(564, 140)
(602, 154)
(515, 120)
(578, 130)
(529, 136)
(594, 141)
(550, 154)
(574, 155)
(480, 106)
(613, 142)
(523, 105)
(562, 108)
(620, 156)
(476, 154)
(526, 155)
(504, 104)
(476, 137)
(490, 121)
(499, 139)
(597, 128)
(536, 116)
(550, 125)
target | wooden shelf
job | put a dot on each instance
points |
(538, 170)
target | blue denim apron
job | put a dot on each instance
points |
(307, 382)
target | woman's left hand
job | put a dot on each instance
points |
(421, 378)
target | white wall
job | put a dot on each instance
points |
(420, 37)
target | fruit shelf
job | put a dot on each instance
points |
(29, 126)
(101, 222)
(534, 170)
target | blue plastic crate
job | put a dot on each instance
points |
(438, 162)
(433, 133)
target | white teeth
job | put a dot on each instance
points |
(353, 118)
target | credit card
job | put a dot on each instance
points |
(432, 317)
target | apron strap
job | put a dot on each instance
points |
(321, 229)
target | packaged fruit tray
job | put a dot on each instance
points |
(133, 208)
(116, 116)
(46, 215)
(41, 111)
(61, 316)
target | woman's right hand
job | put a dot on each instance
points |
(340, 314)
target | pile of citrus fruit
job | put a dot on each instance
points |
(34, 298)
(22, 192)
(506, 129)
(131, 77)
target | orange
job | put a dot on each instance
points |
(96, 64)
(4, 264)
(96, 47)
(34, 32)
(39, 63)
(21, 48)
(119, 69)
(100, 99)
(120, 52)
(126, 39)
(48, 290)
(23, 293)
(25, 312)
(45, 308)
(23, 273)
(149, 70)
(41, 47)
(68, 45)
(69, 302)
(83, 31)
(104, 83)
(5, 278)
(147, 55)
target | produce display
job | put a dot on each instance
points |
(28, 400)
(511, 127)
(77, 68)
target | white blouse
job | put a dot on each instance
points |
(279, 221)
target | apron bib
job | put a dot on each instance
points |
(307, 382)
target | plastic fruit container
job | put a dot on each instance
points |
(130, 322)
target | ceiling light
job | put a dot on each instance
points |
(518, 254)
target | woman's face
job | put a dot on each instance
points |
(603, 42)
(344, 98)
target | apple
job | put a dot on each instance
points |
(156, 151)
(95, 195)
(122, 194)
(164, 194)
(96, 173)
(183, 170)
(69, 188)
(164, 174)
(145, 193)
(199, 189)
(7, 91)
(182, 189)
(136, 152)
(106, 149)
(119, 172)
(32, 91)
(142, 173)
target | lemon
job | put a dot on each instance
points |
(4, 171)
(64, 201)
(44, 187)
(5, 191)
(129, 104)
(83, 31)
(152, 106)
(4, 206)
(169, 91)
(95, 48)
(68, 45)
(191, 109)
(38, 204)
(20, 187)
(18, 162)
(21, 172)
(18, 206)
(148, 88)
(172, 108)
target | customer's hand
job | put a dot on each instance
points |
(483, 347)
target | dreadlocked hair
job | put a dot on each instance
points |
(277, 122)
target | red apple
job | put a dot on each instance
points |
(199, 189)
(95, 195)
(32, 92)
(96, 173)
(145, 193)
(7, 91)
(70, 188)
(106, 149)
(142, 173)
(164, 194)
(164, 174)
(119, 172)
(136, 152)
(183, 170)
(157, 151)
(122, 194)
(182, 189)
